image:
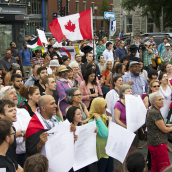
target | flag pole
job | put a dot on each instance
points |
(92, 30)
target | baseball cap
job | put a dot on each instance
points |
(134, 62)
(167, 45)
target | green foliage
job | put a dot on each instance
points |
(154, 8)
(103, 7)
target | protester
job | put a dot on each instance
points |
(142, 71)
(133, 49)
(36, 135)
(17, 83)
(101, 63)
(7, 61)
(108, 68)
(108, 54)
(50, 89)
(63, 84)
(36, 163)
(89, 57)
(165, 87)
(25, 58)
(113, 95)
(89, 87)
(120, 51)
(74, 115)
(38, 58)
(71, 77)
(33, 79)
(136, 163)
(157, 134)
(6, 139)
(79, 60)
(152, 75)
(32, 95)
(74, 98)
(161, 46)
(125, 60)
(100, 49)
(14, 51)
(54, 65)
(42, 73)
(65, 61)
(120, 116)
(97, 112)
(153, 87)
(47, 63)
(138, 82)
(50, 49)
(7, 78)
(77, 75)
(1, 81)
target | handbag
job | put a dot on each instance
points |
(142, 133)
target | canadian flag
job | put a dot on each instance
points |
(73, 27)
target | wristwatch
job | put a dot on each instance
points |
(22, 134)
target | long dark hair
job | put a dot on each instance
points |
(89, 72)
(118, 68)
(71, 113)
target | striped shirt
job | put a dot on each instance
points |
(62, 87)
(37, 60)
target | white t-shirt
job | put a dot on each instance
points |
(165, 94)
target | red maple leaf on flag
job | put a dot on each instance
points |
(70, 26)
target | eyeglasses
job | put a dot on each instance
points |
(78, 56)
(14, 133)
(156, 86)
(136, 66)
(78, 95)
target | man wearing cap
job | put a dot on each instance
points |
(63, 84)
(133, 50)
(120, 51)
(166, 53)
(33, 79)
(25, 58)
(56, 51)
(54, 64)
(146, 55)
(38, 58)
(138, 82)
(7, 61)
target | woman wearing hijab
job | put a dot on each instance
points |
(97, 112)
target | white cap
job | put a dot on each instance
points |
(54, 63)
(56, 45)
(3, 91)
(133, 62)
(167, 45)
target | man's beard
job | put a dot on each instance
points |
(16, 87)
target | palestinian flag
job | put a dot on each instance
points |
(35, 44)
(35, 128)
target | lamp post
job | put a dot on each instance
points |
(95, 8)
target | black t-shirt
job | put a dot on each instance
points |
(41, 89)
(7, 162)
(132, 57)
(55, 95)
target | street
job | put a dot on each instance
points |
(144, 151)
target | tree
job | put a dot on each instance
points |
(104, 6)
(154, 8)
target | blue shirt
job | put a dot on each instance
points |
(120, 53)
(137, 87)
(161, 49)
(26, 56)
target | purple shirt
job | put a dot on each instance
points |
(121, 108)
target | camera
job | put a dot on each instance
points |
(142, 45)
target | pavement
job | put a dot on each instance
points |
(144, 150)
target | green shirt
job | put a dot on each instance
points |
(20, 99)
(146, 58)
(99, 51)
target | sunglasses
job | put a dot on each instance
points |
(156, 86)
(78, 95)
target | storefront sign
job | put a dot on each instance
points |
(21, 17)
(12, 10)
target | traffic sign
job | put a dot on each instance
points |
(113, 27)
(108, 15)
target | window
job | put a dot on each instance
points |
(129, 24)
(77, 6)
(150, 24)
(84, 5)
(92, 7)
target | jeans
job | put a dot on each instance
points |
(105, 164)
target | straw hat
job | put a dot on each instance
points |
(62, 68)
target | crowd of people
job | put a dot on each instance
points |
(39, 89)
